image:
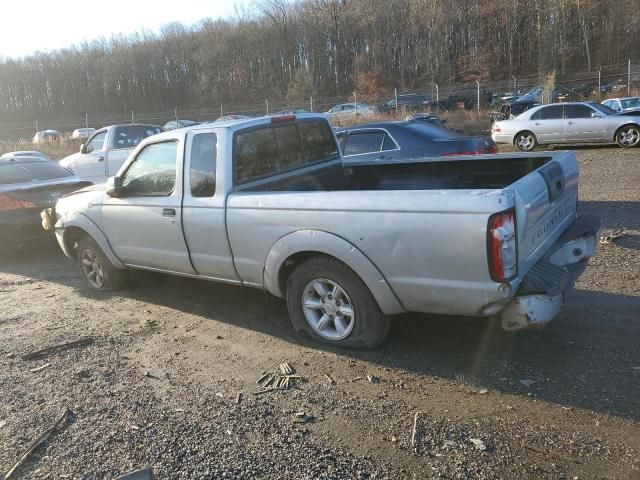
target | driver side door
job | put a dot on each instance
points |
(91, 165)
(144, 225)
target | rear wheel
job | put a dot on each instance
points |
(628, 136)
(98, 271)
(526, 141)
(328, 302)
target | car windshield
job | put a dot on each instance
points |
(25, 172)
(630, 103)
(131, 135)
(603, 108)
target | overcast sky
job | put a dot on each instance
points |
(30, 25)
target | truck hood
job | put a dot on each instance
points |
(80, 200)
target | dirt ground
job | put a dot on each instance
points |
(156, 384)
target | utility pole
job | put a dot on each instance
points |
(629, 78)
(599, 81)
(395, 90)
(355, 103)
(175, 114)
(478, 86)
(267, 102)
(311, 103)
(515, 84)
(86, 120)
(132, 119)
(437, 98)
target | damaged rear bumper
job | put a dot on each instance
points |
(542, 291)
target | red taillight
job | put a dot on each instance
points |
(496, 128)
(8, 203)
(502, 246)
(469, 152)
(283, 118)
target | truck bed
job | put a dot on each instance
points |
(423, 223)
(455, 173)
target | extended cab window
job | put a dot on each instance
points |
(203, 165)
(277, 148)
(97, 142)
(153, 172)
(359, 143)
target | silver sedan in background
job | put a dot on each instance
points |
(569, 123)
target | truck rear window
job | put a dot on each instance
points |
(271, 149)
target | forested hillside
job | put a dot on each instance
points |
(280, 50)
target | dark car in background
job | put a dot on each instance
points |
(407, 102)
(29, 185)
(431, 118)
(407, 140)
(512, 109)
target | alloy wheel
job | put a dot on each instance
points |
(630, 136)
(92, 268)
(328, 309)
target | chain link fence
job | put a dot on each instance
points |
(607, 82)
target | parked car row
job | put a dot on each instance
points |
(348, 234)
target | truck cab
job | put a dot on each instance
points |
(106, 150)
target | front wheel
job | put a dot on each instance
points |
(98, 271)
(328, 302)
(628, 136)
(526, 141)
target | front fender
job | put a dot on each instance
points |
(329, 244)
(79, 221)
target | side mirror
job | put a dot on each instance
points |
(83, 148)
(114, 187)
(595, 115)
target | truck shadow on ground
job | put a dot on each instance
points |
(587, 358)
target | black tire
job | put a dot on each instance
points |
(525, 141)
(369, 327)
(628, 136)
(101, 274)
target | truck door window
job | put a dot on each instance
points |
(360, 143)
(153, 172)
(203, 165)
(97, 142)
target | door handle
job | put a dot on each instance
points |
(537, 124)
(101, 159)
(571, 123)
(168, 212)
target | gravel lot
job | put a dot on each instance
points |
(158, 386)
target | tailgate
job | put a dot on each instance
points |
(546, 202)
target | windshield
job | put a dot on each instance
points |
(630, 103)
(603, 108)
(131, 135)
(31, 172)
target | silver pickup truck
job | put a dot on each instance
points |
(106, 150)
(268, 203)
